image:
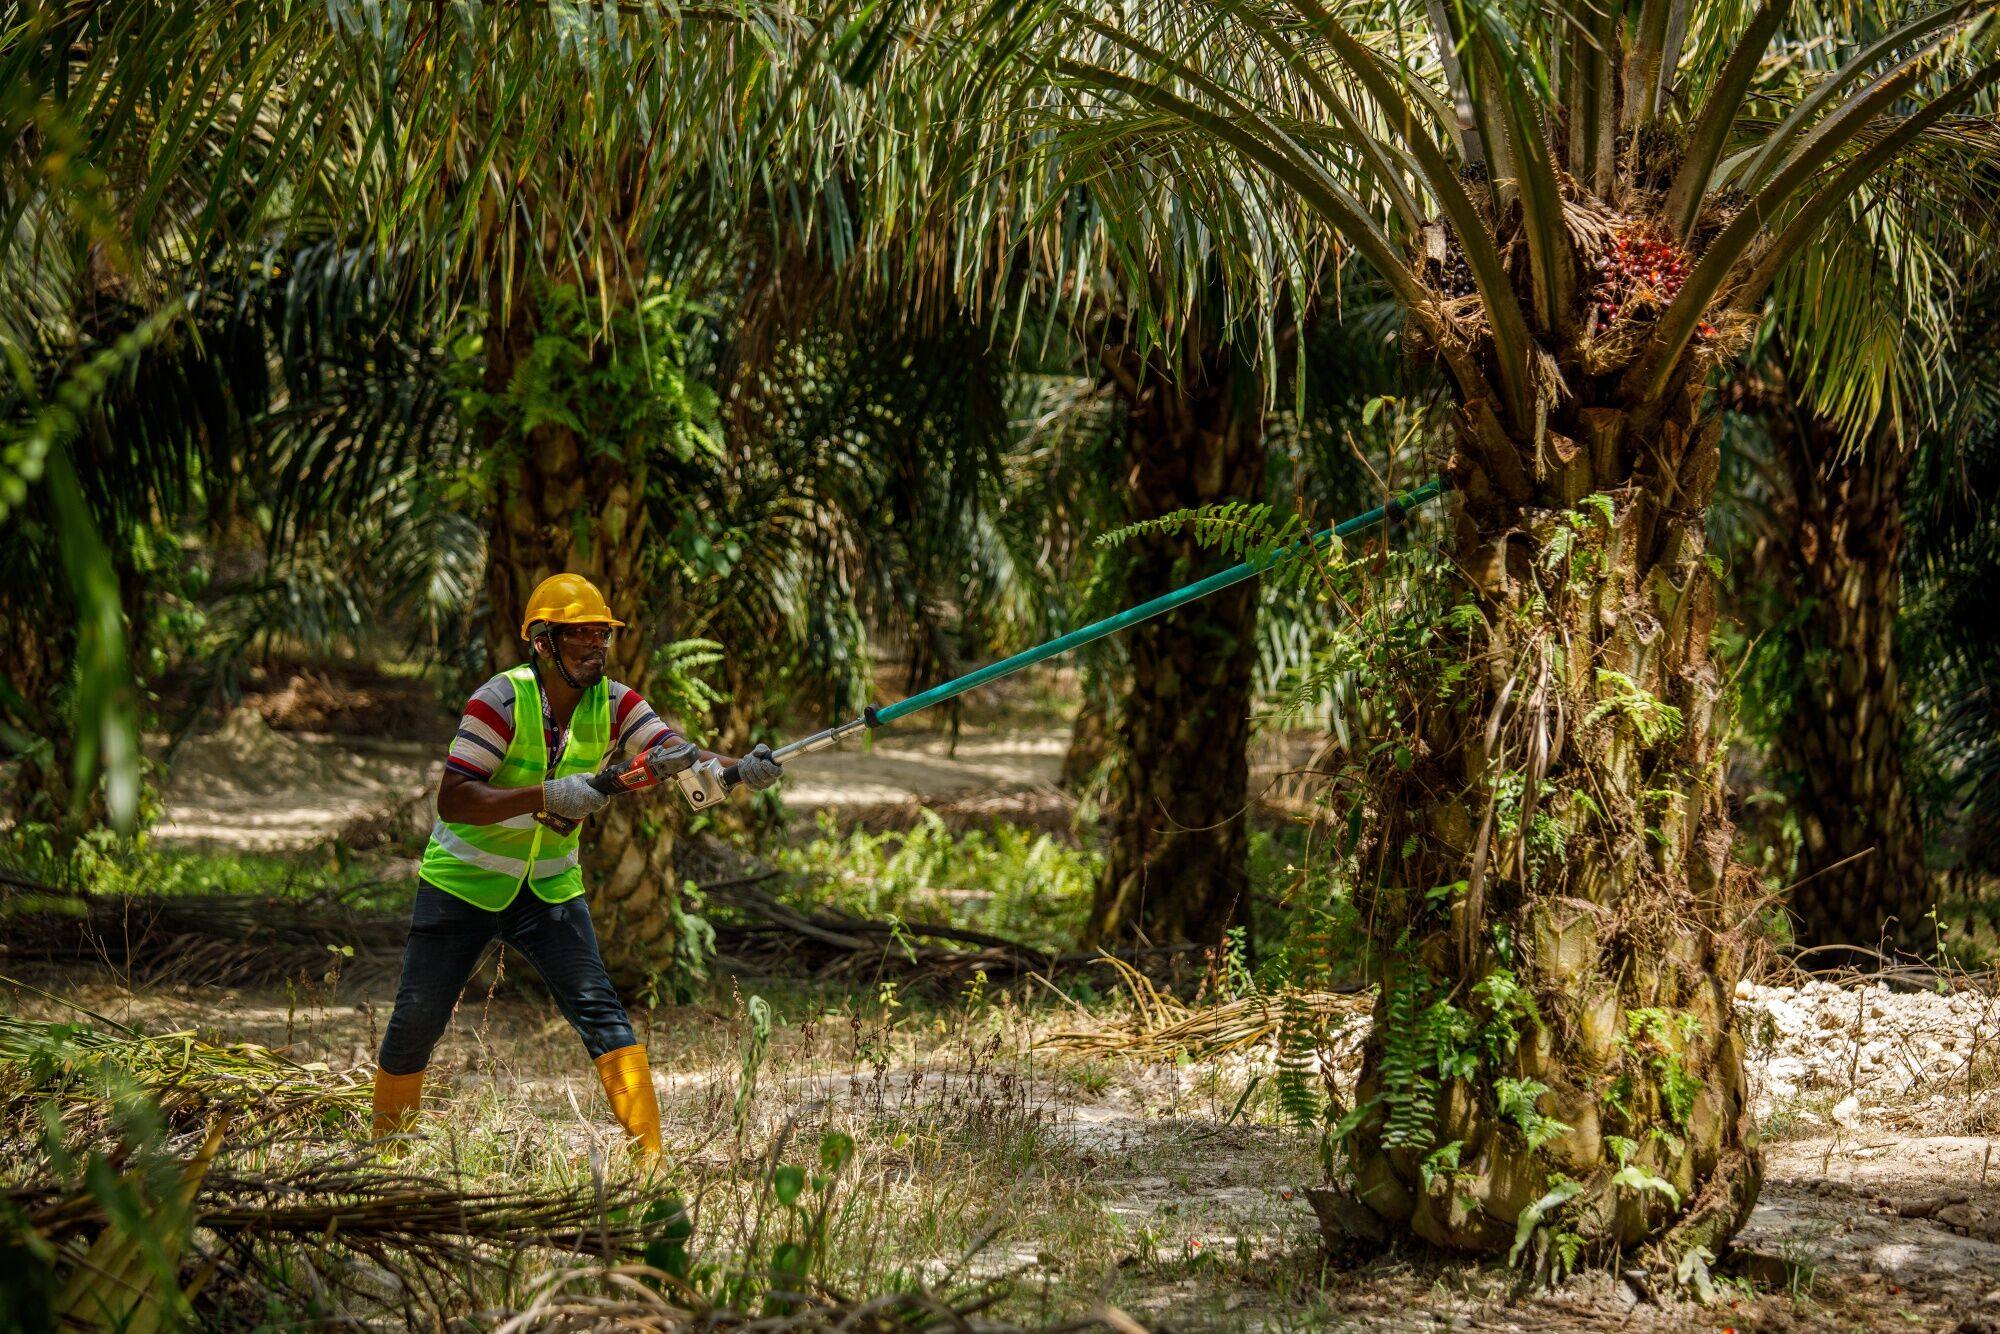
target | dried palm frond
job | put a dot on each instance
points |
(375, 1210)
(1163, 1027)
(341, 1226)
(769, 934)
(194, 939)
(80, 1069)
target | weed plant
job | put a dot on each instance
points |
(1014, 882)
(107, 865)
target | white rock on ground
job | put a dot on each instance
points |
(1862, 1045)
(1857, 1047)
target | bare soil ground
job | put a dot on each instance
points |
(276, 786)
(1170, 1192)
(249, 787)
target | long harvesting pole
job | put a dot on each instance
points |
(1111, 625)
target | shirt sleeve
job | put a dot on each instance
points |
(484, 732)
(635, 724)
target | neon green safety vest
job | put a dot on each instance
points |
(485, 864)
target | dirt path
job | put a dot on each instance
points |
(248, 787)
(895, 767)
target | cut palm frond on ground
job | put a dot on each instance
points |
(774, 936)
(218, 940)
(81, 1071)
(304, 1229)
(1162, 1027)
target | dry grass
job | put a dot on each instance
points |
(80, 1072)
(637, 1299)
(988, 1182)
(1161, 1027)
(1014, 1163)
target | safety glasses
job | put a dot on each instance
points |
(588, 636)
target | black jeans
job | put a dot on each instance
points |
(447, 936)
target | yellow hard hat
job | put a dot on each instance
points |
(567, 599)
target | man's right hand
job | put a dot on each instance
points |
(573, 797)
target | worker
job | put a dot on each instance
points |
(500, 863)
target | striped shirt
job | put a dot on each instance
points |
(487, 726)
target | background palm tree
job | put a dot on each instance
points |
(1845, 385)
(1113, 279)
(109, 223)
(1951, 555)
(1826, 570)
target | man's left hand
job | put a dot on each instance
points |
(758, 770)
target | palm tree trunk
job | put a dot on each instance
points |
(1861, 878)
(1546, 872)
(1177, 868)
(1089, 741)
(558, 505)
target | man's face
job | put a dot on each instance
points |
(584, 649)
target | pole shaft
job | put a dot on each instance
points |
(1166, 602)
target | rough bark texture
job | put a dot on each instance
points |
(1089, 745)
(1547, 869)
(558, 506)
(1177, 803)
(1861, 878)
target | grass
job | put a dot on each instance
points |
(1035, 887)
(885, 1148)
(973, 1157)
(107, 866)
(891, 1142)
(1030, 887)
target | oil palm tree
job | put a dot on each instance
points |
(1950, 562)
(500, 168)
(1582, 210)
(1824, 565)
(541, 164)
(1858, 363)
(119, 177)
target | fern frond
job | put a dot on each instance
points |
(1246, 530)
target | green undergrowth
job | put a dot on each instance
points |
(1035, 888)
(1005, 879)
(104, 864)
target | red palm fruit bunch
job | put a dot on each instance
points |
(1639, 270)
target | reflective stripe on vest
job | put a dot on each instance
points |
(486, 864)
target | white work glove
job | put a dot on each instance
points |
(573, 797)
(758, 770)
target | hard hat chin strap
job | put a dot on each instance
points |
(547, 637)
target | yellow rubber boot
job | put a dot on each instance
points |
(396, 1101)
(628, 1082)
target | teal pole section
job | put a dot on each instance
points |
(1166, 602)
